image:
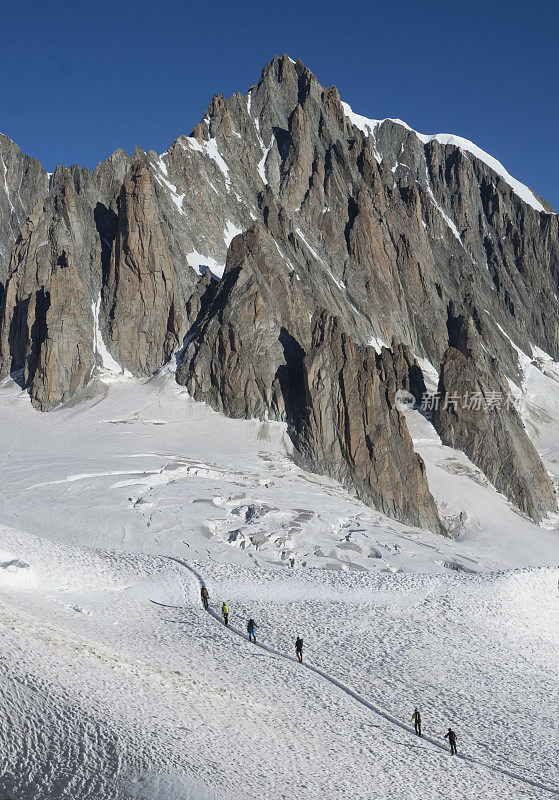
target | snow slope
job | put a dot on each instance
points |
(116, 684)
(138, 466)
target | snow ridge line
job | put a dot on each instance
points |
(360, 699)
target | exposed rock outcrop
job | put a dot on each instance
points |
(22, 182)
(474, 414)
(246, 345)
(46, 323)
(144, 309)
(352, 430)
(399, 370)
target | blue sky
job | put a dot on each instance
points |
(79, 79)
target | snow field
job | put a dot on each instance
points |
(116, 683)
(453, 647)
(138, 466)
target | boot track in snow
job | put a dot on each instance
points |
(357, 697)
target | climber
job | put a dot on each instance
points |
(451, 736)
(299, 649)
(416, 717)
(205, 596)
(251, 629)
(225, 612)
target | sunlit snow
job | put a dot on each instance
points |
(115, 507)
(230, 231)
(200, 263)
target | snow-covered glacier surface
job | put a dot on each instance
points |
(116, 684)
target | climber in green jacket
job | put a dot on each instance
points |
(416, 717)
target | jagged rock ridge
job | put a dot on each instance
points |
(490, 433)
(351, 429)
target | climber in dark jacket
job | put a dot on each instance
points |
(251, 630)
(451, 736)
(299, 649)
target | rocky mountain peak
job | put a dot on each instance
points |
(290, 240)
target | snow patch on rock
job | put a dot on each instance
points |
(201, 263)
(230, 231)
(209, 148)
(105, 360)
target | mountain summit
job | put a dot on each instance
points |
(305, 263)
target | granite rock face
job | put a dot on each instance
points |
(474, 416)
(46, 326)
(281, 203)
(22, 181)
(143, 305)
(244, 347)
(351, 429)
(253, 352)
